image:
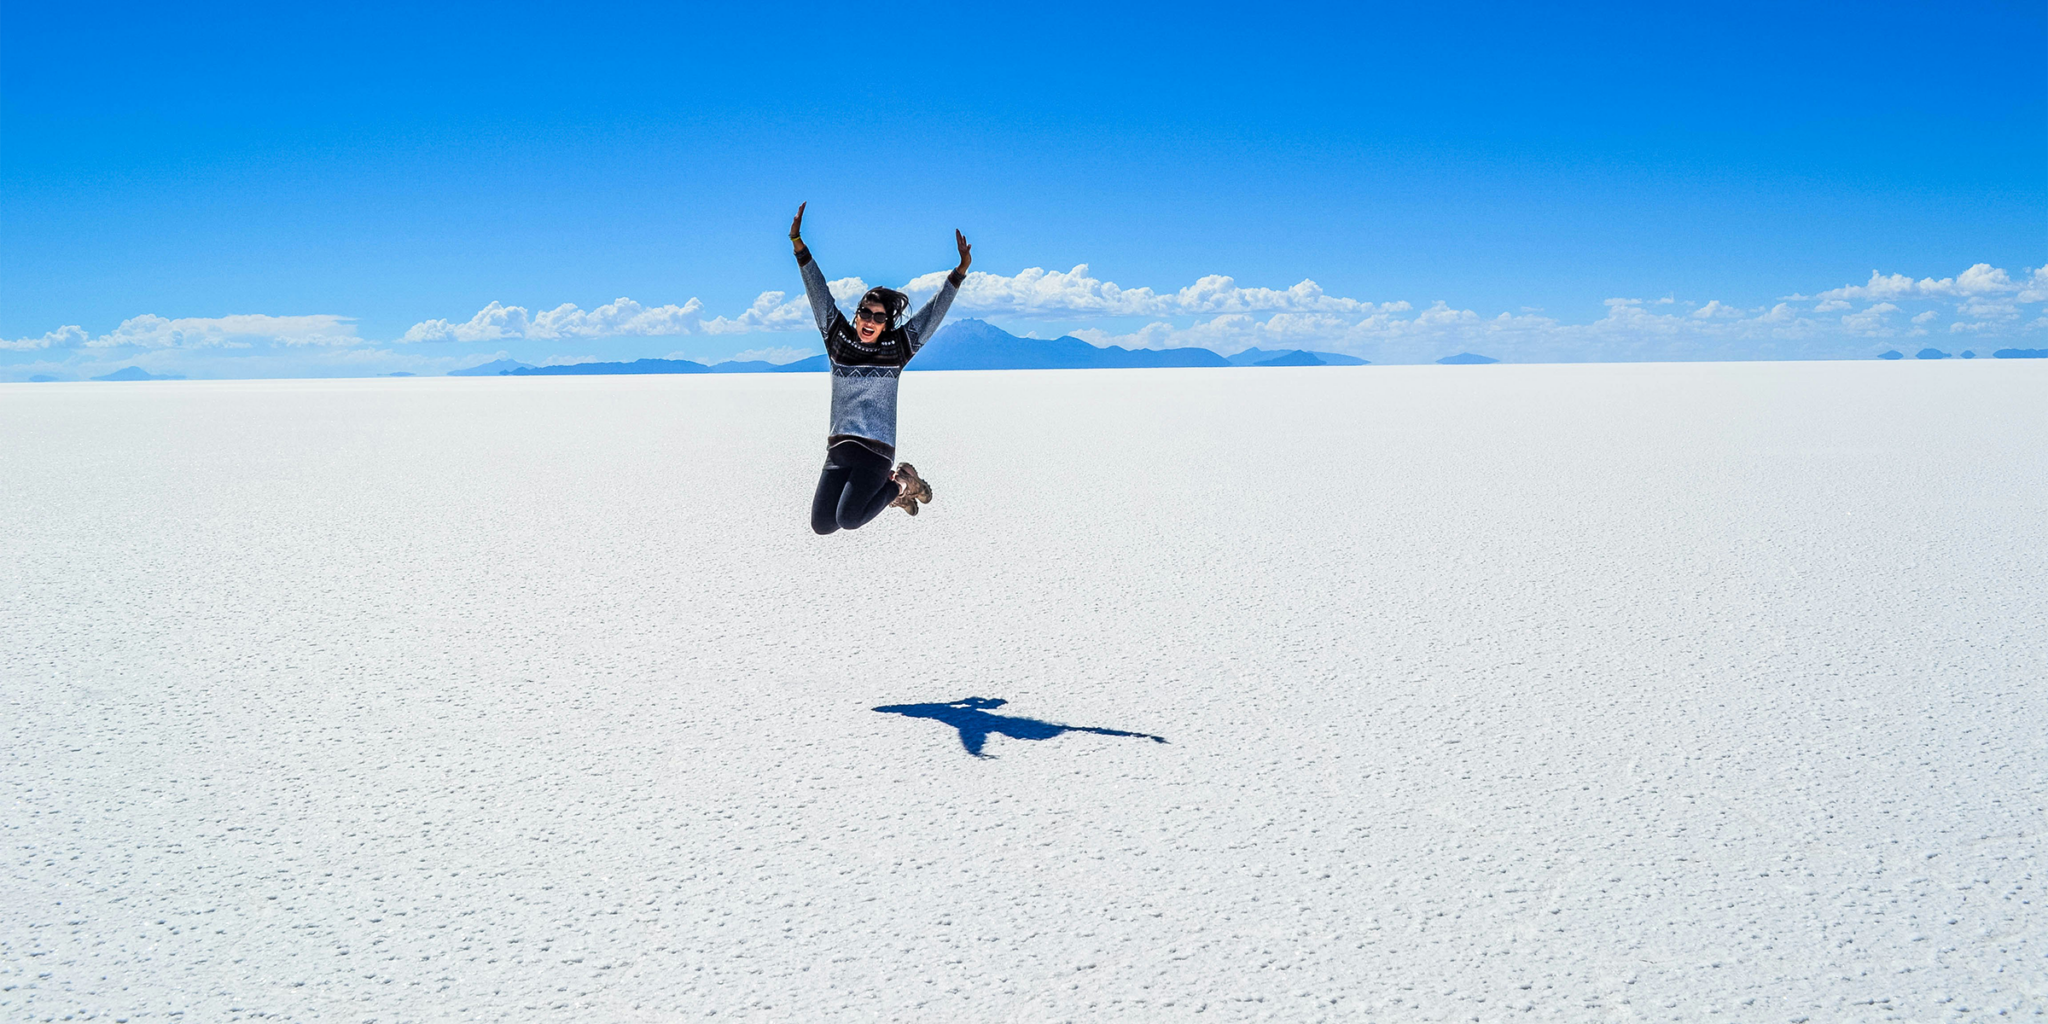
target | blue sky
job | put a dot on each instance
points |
(257, 191)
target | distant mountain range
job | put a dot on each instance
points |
(1292, 357)
(1935, 353)
(978, 345)
(636, 366)
(817, 363)
(490, 369)
(138, 373)
(961, 345)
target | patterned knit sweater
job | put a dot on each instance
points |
(864, 376)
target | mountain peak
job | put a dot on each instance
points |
(490, 369)
(138, 373)
(972, 344)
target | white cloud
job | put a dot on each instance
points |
(1039, 292)
(240, 331)
(150, 331)
(493, 321)
(1077, 294)
(1979, 279)
(70, 336)
(2036, 289)
(1989, 309)
(771, 312)
(1871, 321)
(1984, 279)
(1880, 286)
(622, 317)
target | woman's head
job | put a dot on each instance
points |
(877, 312)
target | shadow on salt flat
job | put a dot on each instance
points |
(971, 716)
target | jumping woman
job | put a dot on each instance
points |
(867, 357)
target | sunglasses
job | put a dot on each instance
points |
(872, 316)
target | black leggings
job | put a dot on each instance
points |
(854, 488)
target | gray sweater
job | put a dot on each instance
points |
(864, 376)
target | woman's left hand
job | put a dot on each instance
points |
(966, 251)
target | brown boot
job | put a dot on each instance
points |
(915, 486)
(906, 496)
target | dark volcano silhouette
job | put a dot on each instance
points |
(971, 716)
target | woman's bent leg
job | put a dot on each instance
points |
(855, 513)
(868, 488)
(825, 503)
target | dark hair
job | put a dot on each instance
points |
(891, 299)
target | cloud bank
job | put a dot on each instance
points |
(242, 331)
(773, 312)
(1980, 302)
(1217, 312)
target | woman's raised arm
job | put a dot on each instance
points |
(920, 327)
(959, 273)
(815, 289)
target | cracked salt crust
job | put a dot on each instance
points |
(1637, 692)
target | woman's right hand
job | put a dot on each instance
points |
(796, 227)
